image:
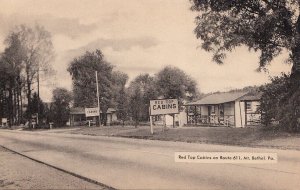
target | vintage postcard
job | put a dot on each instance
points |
(150, 94)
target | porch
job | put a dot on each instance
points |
(211, 115)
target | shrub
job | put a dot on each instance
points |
(281, 102)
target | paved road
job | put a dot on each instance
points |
(144, 164)
(18, 172)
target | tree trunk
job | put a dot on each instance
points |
(10, 107)
(29, 98)
(21, 106)
(295, 74)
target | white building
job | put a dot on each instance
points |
(238, 109)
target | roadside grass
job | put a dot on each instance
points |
(249, 136)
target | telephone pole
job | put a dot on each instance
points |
(38, 94)
(98, 97)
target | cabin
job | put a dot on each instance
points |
(233, 109)
(78, 117)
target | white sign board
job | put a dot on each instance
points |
(4, 120)
(91, 112)
(162, 107)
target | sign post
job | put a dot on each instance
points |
(163, 107)
(151, 122)
(91, 112)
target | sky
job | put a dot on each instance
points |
(136, 36)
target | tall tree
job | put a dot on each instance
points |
(141, 90)
(82, 70)
(37, 106)
(268, 26)
(30, 51)
(6, 78)
(172, 82)
(119, 97)
(61, 106)
(122, 105)
(119, 80)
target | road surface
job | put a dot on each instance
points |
(144, 164)
(19, 172)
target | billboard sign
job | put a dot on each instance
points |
(91, 112)
(162, 107)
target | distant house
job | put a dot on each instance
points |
(237, 109)
(77, 116)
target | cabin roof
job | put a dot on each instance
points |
(218, 98)
(251, 97)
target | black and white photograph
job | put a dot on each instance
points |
(150, 94)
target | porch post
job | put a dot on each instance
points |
(195, 115)
(245, 104)
(187, 115)
(218, 114)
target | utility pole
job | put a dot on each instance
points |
(38, 93)
(98, 97)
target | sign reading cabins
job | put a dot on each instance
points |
(91, 112)
(162, 107)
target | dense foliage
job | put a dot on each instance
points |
(60, 108)
(266, 26)
(140, 91)
(28, 52)
(280, 103)
(262, 25)
(111, 83)
(172, 82)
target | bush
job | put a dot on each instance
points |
(281, 102)
(130, 122)
(113, 123)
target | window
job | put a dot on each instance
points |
(212, 109)
(248, 106)
(221, 109)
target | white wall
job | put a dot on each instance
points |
(239, 114)
(181, 118)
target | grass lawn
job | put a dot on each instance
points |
(251, 136)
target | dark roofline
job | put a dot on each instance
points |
(206, 104)
(218, 98)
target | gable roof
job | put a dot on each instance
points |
(251, 97)
(218, 98)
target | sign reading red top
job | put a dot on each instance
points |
(162, 107)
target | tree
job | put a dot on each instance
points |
(119, 80)
(82, 70)
(280, 104)
(12, 81)
(122, 105)
(29, 52)
(61, 106)
(268, 26)
(172, 82)
(6, 79)
(140, 91)
(119, 97)
(37, 106)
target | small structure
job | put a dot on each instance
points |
(78, 117)
(252, 113)
(236, 109)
